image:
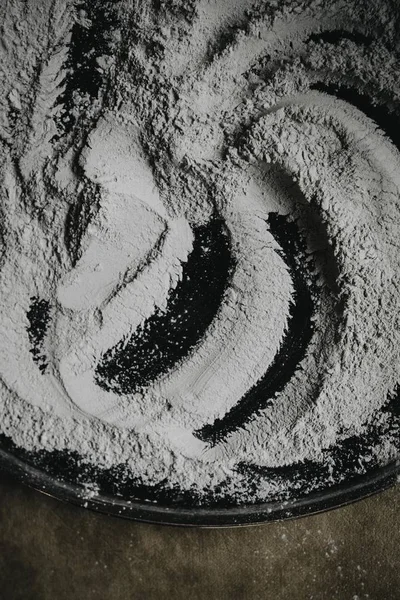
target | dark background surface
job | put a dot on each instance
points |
(54, 551)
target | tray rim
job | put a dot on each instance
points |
(333, 497)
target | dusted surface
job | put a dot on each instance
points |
(50, 550)
(158, 157)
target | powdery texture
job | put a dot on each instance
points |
(196, 110)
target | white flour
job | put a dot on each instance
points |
(199, 108)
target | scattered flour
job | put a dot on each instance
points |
(180, 111)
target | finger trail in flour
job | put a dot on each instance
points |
(293, 346)
(169, 334)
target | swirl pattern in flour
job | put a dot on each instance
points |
(200, 271)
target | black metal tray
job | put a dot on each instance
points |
(64, 488)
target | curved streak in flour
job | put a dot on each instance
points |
(293, 346)
(384, 159)
(127, 309)
(247, 330)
